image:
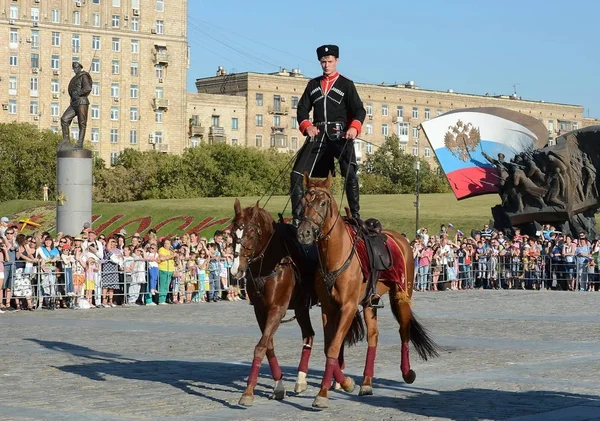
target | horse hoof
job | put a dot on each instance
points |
(300, 387)
(351, 386)
(365, 391)
(246, 400)
(278, 391)
(410, 377)
(320, 402)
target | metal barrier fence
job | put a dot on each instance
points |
(51, 286)
(510, 273)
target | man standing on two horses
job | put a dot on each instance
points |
(338, 115)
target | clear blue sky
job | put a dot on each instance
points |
(549, 49)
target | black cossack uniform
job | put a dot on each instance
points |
(334, 112)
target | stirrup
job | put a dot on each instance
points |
(379, 302)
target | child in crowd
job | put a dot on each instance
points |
(133, 291)
(190, 277)
(138, 276)
(214, 271)
(203, 280)
(91, 271)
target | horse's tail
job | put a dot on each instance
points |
(356, 333)
(419, 336)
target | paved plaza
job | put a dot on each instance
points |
(506, 355)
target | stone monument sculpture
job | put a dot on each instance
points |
(556, 184)
(74, 164)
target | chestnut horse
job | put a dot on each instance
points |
(340, 288)
(279, 275)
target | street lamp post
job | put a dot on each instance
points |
(417, 167)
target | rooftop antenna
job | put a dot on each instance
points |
(515, 88)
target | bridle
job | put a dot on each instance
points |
(310, 197)
(241, 239)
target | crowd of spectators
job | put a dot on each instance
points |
(91, 270)
(451, 260)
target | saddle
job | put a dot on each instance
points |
(378, 253)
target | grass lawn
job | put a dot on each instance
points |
(207, 214)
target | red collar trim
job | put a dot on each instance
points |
(330, 78)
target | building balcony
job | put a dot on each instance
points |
(196, 130)
(162, 147)
(281, 110)
(279, 140)
(277, 130)
(216, 135)
(161, 57)
(160, 103)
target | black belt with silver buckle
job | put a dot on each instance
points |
(327, 123)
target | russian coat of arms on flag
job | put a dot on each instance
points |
(469, 143)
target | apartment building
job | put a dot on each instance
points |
(135, 50)
(391, 109)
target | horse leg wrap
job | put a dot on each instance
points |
(275, 369)
(253, 378)
(330, 368)
(370, 362)
(306, 350)
(338, 375)
(404, 362)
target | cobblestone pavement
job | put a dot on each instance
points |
(516, 355)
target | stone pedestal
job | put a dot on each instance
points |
(73, 190)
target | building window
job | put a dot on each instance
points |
(427, 153)
(369, 109)
(234, 123)
(160, 5)
(133, 137)
(116, 45)
(550, 125)
(234, 141)
(95, 88)
(12, 106)
(133, 114)
(54, 109)
(369, 148)
(114, 90)
(95, 42)
(134, 68)
(95, 1)
(74, 132)
(13, 38)
(258, 141)
(427, 113)
(135, 46)
(384, 110)
(34, 108)
(158, 116)
(135, 24)
(415, 132)
(294, 102)
(215, 120)
(294, 141)
(55, 15)
(114, 156)
(13, 61)
(369, 128)
(158, 92)
(12, 85)
(33, 86)
(259, 120)
(116, 3)
(76, 18)
(575, 125)
(14, 12)
(259, 100)
(56, 39)
(415, 151)
(160, 26)
(35, 60)
(439, 112)
(133, 91)
(96, 20)
(403, 129)
(116, 21)
(95, 135)
(35, 14)
(399, 111)
(294, 123)
(415, 113)
(96, 65)
(158, 137)
(95, 112)
(114, 135)
(384, 130)
(277, 121)
(114, 113)
(116, 67)
(55, 62)
(159, 69)
(54, 86)
(35, 39)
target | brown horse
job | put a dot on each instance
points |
(340, 288)
(279, 275)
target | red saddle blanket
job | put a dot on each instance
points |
(396, 273)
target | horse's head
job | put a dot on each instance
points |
(252, 229)
(319, 209)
